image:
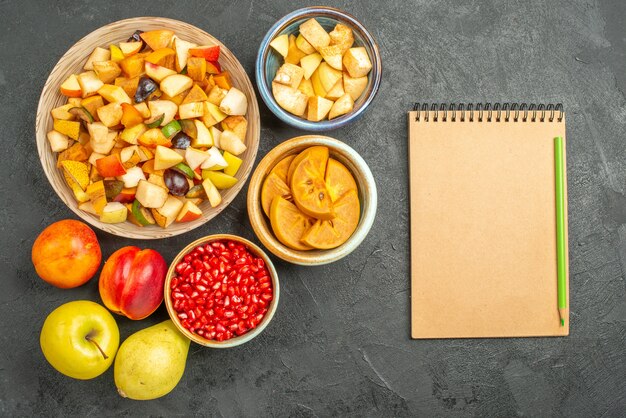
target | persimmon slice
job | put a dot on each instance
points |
(318, 150)
(282, 168)
(289, 223)
(308, 187)
(273, 186)
(339, 180)
(326, 234)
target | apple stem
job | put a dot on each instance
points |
(88, 338)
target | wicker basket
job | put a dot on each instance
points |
(73, 61)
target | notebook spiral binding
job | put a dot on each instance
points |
(504, 111)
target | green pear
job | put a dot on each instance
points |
(150, 363)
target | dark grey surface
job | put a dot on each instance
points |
(339, 344)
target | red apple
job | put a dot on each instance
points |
(127, 195)
(208, 52)
(213, 67)
(189, 212)
(131, 282)
(110, 166)
(66, 254)
(71, 88)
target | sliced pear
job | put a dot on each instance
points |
(151, 195)
(203, 137)
(182, 53)
(163, 107)
(166, 158)
(235, 102)
(290, 99)
(195, 157)
(343, 105)
(216, 160)
(215, 198)
(175, 84)
(220, 180)
(232, 143)
(191, 110)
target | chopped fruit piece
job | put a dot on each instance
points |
(98, 54)
(157, 39)
(216, 161)
(71, 87)
(237, 124)
(163, 107)
(107, 71)
(185, 169)
(328, 76)
(304, 45)
(163, 57)
(82, 114)
(314, 33)
(154, 137)
(235, 102)
(220, 180)
(233, 163)
(326, 234)
(171, 129)
(195, 157)
(196, 94)
(58, 141)
(89, 83)
(318, 108)
(79, 193)
(294, 55)
(74, 153)
(189, 212)
(155, 121)
(289, 223)
(130, 116)
(114, 94)
(357, 62)
(130, 48)
(130, 157)
(87, 207)
(308, 186)
(142, 215)
(230, 142)
(212, 114)
(337, 91)
(77, 171)
(343, 105)
(62, 112)
(128, 85)
(273, 187)
(176, 84)
(216, 95)
(290, 99)
(150, 195)
(165, 158)
(132, 177)
(223, 80)
(213, 67)
(289, 75)
(342, 36)
(116, 53)
(214, 196)
(309, 64)
(196, 191)
(196, 68)
(148, 168)
(92, 104)
(281, 44)
(112, 188)
(127, 195)
(143, 110)
(203, 137)
(306, 87)
(67, 127)
(208, 52)
(332, 55)
(133, 66)
(339, 180)
(156, 72)
(216, 134)
(166, 214)
(114, 213)
(182, 52)
(110, 166)
(110, 115)
(131, 135)
(191, 110)
(354, 86)
(97, 196)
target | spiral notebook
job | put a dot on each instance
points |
(483, 224)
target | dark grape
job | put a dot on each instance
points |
(181, 141)
(136, 37)
(145, 88)
(176, 182)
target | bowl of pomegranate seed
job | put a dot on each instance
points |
(221, 291)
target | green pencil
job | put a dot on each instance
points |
(560, 228)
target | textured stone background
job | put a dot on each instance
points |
(339, 344)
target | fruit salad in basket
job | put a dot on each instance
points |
(151, 128)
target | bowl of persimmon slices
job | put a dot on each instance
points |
(312, 200)
(147, 127)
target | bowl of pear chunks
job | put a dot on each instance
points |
(318, 68)
(148, 127)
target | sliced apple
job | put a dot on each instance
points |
(131, 135)
(156, 72)
(189, 212)
(157, 39)
(58, 141)
(105, 146)
(195, 157)
(304, 45)
(71, 87)
(211, 53)
(98, 54)
(354, 86)
(343, 105)
(203, 137)
(235, 102)
(182, 53)
(336, 91)
(314, 33)
(212, 114)
(132, 177)
(219, 179)
(318, 108)
(89, 83)
(166, 214)
(163, 107)
(215, 198)
(281, 44)
(166, 158)
(111, 115)
(289, 75)
(191, 110)
(357, 62)
(232, 143)
(216, 160)
(290, 99)
(130, 48)
(150, 195)
(114, 213)
(113, 93)
(309, 64)
(175, 84)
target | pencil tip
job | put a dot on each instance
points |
(562, 322)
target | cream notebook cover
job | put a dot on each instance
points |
(483, 221)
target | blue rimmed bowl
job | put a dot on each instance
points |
(268, 61)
